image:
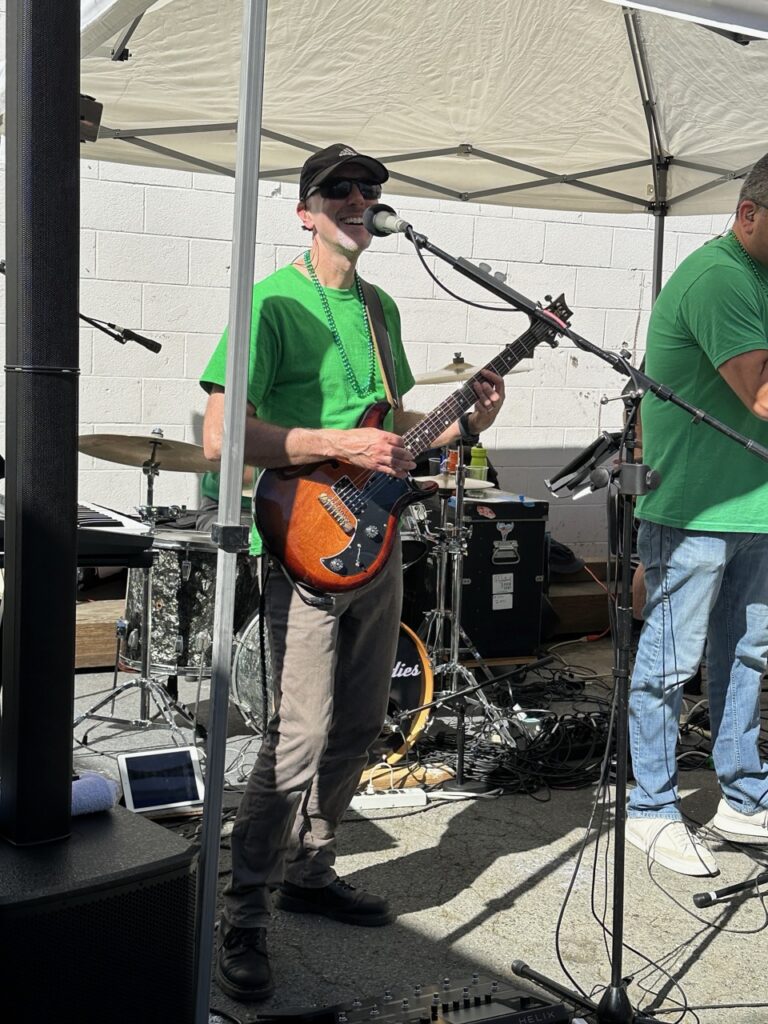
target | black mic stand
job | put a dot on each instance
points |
(632, 479)
(629, 479)
(118, 334)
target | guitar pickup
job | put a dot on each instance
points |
(337, 511)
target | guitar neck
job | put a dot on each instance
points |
(421, 437)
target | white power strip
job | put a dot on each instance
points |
(411, 796)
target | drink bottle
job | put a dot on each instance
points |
(478, 462)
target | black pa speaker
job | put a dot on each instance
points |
(42, 366)
(100, 927)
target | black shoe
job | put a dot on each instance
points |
(242, 966)
(339, 901)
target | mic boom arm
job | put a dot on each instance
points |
(642, 382)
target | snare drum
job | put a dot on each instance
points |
(412, 686)
(183, 592)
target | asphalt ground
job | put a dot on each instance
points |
(480, 883)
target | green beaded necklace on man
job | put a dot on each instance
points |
(755, 270)
(351, 375)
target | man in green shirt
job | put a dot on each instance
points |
(703, 539)
(313, 371)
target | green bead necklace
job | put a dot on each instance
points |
(351, 376)
(760, 277)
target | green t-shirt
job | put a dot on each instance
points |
(296, 375)
(714, 307)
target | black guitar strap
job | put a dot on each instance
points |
(381, 342)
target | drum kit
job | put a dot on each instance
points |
(167, 628)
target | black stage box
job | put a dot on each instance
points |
(504, 571)
(99, 927)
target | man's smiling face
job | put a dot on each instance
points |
(339, 222)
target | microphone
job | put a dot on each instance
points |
(127, 335)
(382, 220)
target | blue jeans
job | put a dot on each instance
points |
(701, 588)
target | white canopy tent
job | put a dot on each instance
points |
(564, 104)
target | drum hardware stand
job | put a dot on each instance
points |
(452, 669)
(496, 717)
(451, 543)
(150, 689)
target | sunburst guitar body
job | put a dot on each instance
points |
(332, 524)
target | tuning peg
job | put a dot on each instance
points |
(547, 298)
(500, 275)
(485, 267)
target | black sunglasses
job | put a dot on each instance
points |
(340, 188)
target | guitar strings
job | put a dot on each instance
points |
(360, 483)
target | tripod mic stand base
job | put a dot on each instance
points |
(469, 789)
(615, 1008)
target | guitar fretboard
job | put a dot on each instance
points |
(422, 436)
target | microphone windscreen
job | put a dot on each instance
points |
(370, 216)
(93, 792)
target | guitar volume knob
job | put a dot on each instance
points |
(372, 532)
(336, 564)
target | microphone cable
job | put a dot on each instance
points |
(503, 308)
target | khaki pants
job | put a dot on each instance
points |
(333, 671)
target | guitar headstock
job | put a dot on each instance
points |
(559, 309)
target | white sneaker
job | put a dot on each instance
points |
(672, 844)
(740, 827)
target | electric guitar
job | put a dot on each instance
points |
(332, 524)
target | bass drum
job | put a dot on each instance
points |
(412, 685)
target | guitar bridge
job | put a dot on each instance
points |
(337, 511)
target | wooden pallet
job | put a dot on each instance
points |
(97, 612)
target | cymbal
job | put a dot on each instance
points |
(133, 450)
(457, 370)
(447, 482)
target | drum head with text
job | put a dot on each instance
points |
(253, 693)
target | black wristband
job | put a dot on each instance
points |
(465, 431)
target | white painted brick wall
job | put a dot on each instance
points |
(156, 256)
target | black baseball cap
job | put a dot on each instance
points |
(322, 164)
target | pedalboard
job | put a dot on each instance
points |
(482, 1001)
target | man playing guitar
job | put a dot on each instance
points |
(313, 372)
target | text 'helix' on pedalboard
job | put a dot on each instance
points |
(482, 1000)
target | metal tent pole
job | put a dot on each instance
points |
(660, 160)
(243, 248)
(659, 211)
